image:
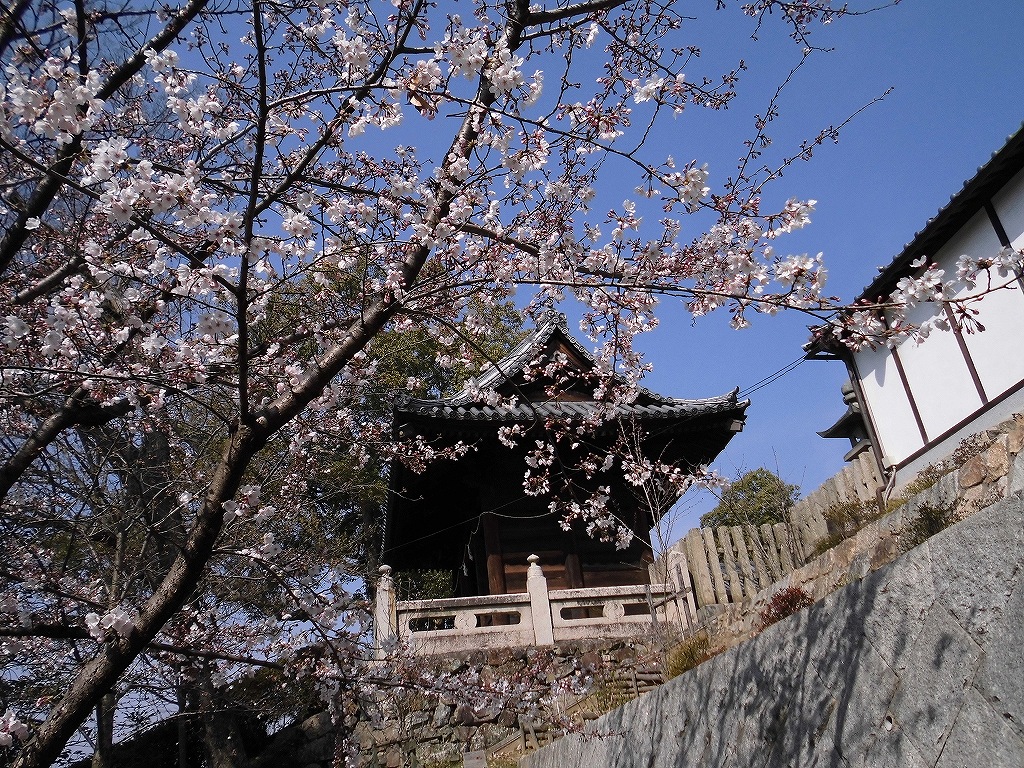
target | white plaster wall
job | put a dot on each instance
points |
(992, 418)
(887, 404)
(938, 377)
(977, 237)
(998, 353)
(936, 371)
(1009, 205)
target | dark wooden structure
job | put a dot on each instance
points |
(472, 517)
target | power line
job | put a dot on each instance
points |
(772, 378)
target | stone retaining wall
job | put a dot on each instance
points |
(408, 728)
(918, 665)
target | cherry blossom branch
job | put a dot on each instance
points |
(47, 189)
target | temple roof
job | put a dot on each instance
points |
(508, 378)
(435, 512)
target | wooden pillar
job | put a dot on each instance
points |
(573, 571)
(495, 565)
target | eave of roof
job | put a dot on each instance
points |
(846, 425)
(561, 409)
(1004, 164)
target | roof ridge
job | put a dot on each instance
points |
(524, 352)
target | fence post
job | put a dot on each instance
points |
(385, 615)
(697, 558)
(711, 546)
(743, 556)
(734, 588)
(540, 604)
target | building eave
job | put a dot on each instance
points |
(1004, 164)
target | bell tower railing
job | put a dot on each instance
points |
(537, 617)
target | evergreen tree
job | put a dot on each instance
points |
(757, 497)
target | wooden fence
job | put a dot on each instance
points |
(718, 566)
(858, 482)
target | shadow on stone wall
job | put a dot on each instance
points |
(918, 664)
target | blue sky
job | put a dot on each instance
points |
(957, 94)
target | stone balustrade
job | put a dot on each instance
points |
(537, 617)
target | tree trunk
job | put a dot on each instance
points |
(222, 737)
(183, 739)
(103, 756)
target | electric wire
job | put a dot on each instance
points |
(772, 378)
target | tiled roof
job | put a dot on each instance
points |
(523, 354)
(976, 191)
(523, 411)
(467, 405)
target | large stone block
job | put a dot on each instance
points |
(973, 472)
(940, 668)
(981, 737)
(1015, 435)
(975, 561)
(1001, 677)
(891, 748)
(782, 708)
(1016, 475)
(897, 599)
(997, 460)
(863, 686)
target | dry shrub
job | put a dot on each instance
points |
(784, 603)
(688, 654)
(926, 523)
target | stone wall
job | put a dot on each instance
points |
(918, 664)
(411, 728)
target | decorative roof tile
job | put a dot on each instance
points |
(527, 411)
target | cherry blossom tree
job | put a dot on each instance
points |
(214, 214)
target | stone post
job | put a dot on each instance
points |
(385, 614)
(540, 605)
